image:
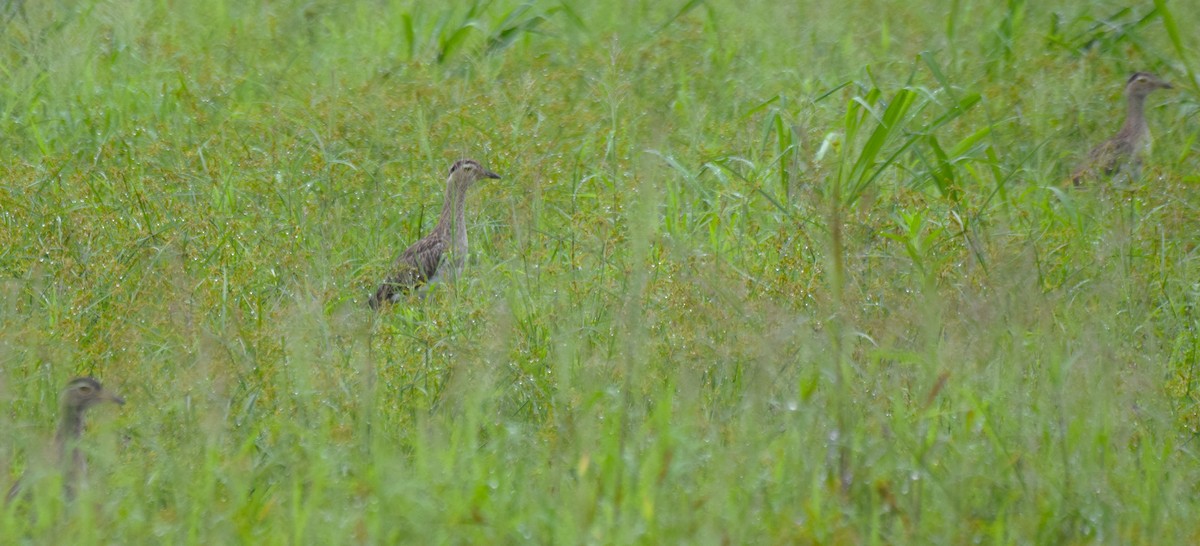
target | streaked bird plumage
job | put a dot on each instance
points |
(441, 254)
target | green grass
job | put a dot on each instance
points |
(757, 272)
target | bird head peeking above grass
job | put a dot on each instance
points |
(466, 172)
(82, 393)
(1141, 84)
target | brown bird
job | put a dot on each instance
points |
(440, 255)
(1123, 152)
(80, 394)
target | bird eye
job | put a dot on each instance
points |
(85, 389)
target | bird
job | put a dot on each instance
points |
(441, 254)
(1123, 152)
(80, 394)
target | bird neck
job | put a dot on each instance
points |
(69, 430)
(452, 221)
(1135, 115)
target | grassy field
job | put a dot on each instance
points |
(757, 272)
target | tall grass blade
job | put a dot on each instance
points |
(1177, 40)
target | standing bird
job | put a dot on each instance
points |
(442, 253)
(1124, 151)
(80, 394)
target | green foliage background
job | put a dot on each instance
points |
(757, 272)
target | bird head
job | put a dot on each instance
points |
(1143, 83)
(465, 172)
(84, 392)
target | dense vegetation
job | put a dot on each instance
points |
(757, 272)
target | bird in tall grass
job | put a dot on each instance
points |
(440, 255)
(80, 394)
(1122, 154)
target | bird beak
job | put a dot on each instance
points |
(114, 398)
(491, 174)
(1167, 85)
